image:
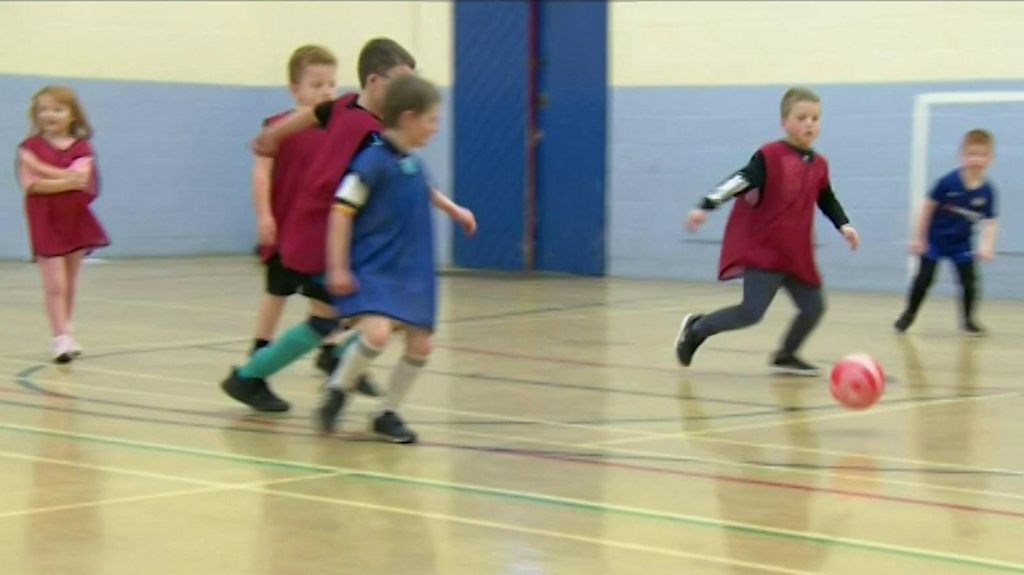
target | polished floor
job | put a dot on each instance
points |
(558, 436)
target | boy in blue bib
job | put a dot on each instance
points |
(380, 255)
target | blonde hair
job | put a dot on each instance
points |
(306, 56)
(979, 137)
(80, 127)
(793, 96)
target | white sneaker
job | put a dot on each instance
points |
(62, 349)
(76, 350)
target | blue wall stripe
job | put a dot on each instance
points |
(571, 155)
(490, 100)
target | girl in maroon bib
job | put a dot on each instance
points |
(57, 172)
(768, 238)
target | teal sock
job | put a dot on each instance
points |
(292, 345)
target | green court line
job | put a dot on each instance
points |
(173, 449)
(539, 498)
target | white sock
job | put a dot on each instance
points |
(357, 357)
(400, 382)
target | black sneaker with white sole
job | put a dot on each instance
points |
(390, 427)
(793, 365)
(254, 392)
(686, 341)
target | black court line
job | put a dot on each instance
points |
(24, 380)
(281, 427)
(579, 387)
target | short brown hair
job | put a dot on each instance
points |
(980, 137)
(408, 93)
(795, 95)
(305, 56)
(80, 127)
(380, 55)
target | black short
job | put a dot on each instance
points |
(284, 282)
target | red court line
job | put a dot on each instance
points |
(565, 458)
(745, 481)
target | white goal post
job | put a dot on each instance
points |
(919, 139)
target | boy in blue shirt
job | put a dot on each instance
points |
(959, 200)
(380, 255)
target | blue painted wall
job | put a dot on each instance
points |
(174, 160)
(669, 145)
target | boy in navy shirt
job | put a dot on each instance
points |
(960, 199)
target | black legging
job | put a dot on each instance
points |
(925, 277)
(759, 289)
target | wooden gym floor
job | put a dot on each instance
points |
(558, 436)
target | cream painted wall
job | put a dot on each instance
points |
(743, 43)
(242, 43)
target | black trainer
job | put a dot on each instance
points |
(903, 322)
(686, 342)
(254, 392)
(390, 427)
(326, 415)
(973, 329)
(793, 365)
(365, 386)
(328, 361)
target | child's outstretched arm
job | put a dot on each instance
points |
(462, 216)
(987, 246)
(747, 178)
(919, 242)
(829, 204)
(270, 137)
(989, 230)
(851, 236)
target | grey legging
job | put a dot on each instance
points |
(759, 288)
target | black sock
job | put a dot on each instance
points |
(258, 344)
